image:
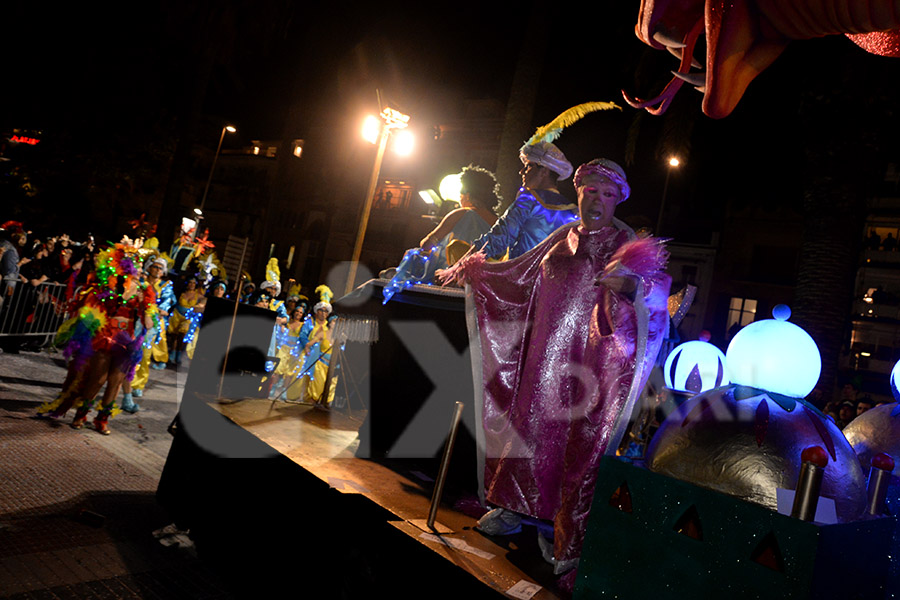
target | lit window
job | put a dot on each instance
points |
(741, 312)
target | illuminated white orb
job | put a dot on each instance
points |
(895, 381)
(775, 356)
(450, 187)
(695, 367)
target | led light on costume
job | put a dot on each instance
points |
(413, 269)
(312, 372)
(105, 321)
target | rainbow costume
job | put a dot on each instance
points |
(108, 320)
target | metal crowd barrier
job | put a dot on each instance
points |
(33, 311)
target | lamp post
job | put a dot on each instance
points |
(390, 120)
(674, 162)
(199, 212)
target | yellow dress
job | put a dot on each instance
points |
(314, 385)
(289, 361)
(179, 323)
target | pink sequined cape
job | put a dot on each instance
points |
(560, 362)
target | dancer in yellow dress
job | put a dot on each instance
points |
(316, 355)
(181, 319)
(292, 339)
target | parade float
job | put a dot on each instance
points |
(748, 492)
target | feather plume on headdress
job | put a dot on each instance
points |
(552, 130)
(325, 293)
(273, 273)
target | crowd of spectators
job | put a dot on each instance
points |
(38, 273)
(849, 405)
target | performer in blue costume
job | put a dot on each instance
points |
(273, 289)
(479, 198)
(165, 302)
(291, 341)
(155, 351)
(539, 208)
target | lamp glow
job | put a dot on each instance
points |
(775, 356)
(404, 143)
(430, 197)
(695, 367)
(371, 129)
(450, 187)
(673, 161)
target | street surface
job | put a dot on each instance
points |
(28, 379)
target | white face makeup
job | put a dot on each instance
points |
(597, 200)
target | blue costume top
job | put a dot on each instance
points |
(165, 298)
(533, 216)
(295, 340)
(469, 227)
(419, 267)
(279, 308)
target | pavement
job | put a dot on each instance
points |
(78, 513)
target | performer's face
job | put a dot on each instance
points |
(597, 199)
(533, 176)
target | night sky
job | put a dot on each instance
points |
(110, 79)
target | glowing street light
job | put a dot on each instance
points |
(450, 187)
(674, 162)
(378, 131)
(228, 129)
(404, 143)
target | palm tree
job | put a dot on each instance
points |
(849, 117)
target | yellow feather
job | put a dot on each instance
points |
(553, 129)
(325, 293)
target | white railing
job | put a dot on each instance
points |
(32, 311)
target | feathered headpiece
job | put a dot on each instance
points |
(325, 294)
(272, 271)
(118, 266)
(540, 148)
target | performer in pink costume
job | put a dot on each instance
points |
(565, 336)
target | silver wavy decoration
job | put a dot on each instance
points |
(875, 431)
(747, 443)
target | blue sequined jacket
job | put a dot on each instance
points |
(533, 216)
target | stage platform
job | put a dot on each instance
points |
(335, 501)
(305, 468)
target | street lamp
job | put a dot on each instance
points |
(199, 211)
(374, 131)
(674, 163)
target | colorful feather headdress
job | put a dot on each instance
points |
(552, 130)
(326, 295)
(540, 149)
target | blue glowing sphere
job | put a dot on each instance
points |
(895, 374)
(695, 367)
(775, 356)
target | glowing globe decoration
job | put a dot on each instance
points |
(895, 373)
(450, 187)
(694, 367)
(775, 356)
